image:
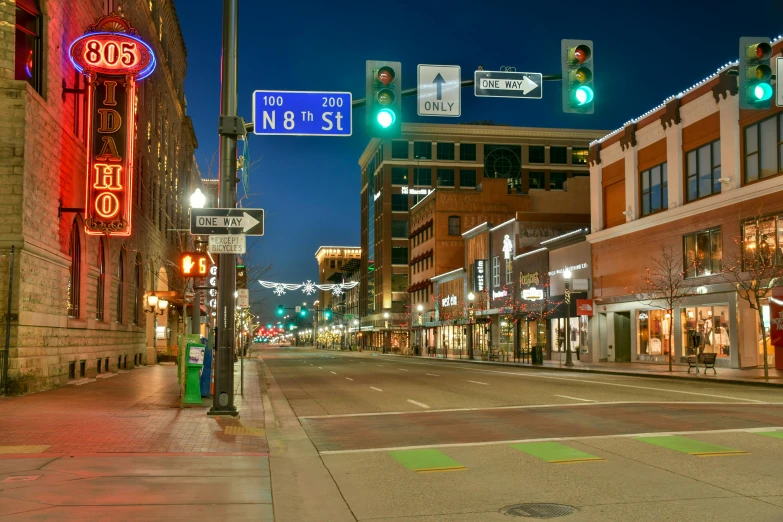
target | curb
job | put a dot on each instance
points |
(588, 371)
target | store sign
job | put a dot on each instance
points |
(529, 279)
(499, 294)
(114, 58)
(417, 192)
(580, 285)
(776, 317)
(584, 307)
(533, 294)
(479, 275)
(508, 247)
(449, 300)
(573, 268)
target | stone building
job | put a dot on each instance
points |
(78, 300)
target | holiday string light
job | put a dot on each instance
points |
(308, 287)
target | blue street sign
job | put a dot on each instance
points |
(301, 113)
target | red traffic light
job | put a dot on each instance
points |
(581, 54)
(763, 51)
(385, 75)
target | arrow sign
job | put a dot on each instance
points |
(507, 84)
(439, 81)
(227, 221)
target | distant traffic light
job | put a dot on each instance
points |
(328, 314)
(280, 310)
(241, 276)
(193, 264)
(576, 64)
(383, 109)
(755, 74)
(303, 312)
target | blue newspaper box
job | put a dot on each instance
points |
(206, 374)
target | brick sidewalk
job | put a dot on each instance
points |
(135, 411)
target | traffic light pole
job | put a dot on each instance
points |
(229, 129)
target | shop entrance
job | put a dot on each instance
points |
(622, 336)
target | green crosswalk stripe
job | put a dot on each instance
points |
(554, 452)
(773, 434)
(425, 460)
(686, 445)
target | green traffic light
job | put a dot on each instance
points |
(386, 118)
(762, 92)
(583, 95)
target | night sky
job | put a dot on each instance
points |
(309, 187)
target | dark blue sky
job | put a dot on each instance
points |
(309, 187)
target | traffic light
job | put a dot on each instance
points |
(755, 74)
(576, 64)
(193, 264)
(280, 310)
(383, 109)
(328, 314)
(241, 277)
(303, 312)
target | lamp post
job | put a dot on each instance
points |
(386, 332)
(156, 306)
(420, 309)
(567, 279)
(471, 297)
(197, 200)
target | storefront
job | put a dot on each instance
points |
(451, 315)
(534, 308)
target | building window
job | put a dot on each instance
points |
(558, 155)
(101, 281)
(399, 282)
(653, 330)
(399, 228)
(419, 197)
(705, 329)
(422, 177)
(557, 180)
(536, 154)
(455, 226)
(332, 264)
(654, 189)
(399, 175)
(467, 178)
(422, 150)
(703, 253)
(703, 171)
(537, 180)
(509, 270)
(502, 161)
(496, 271)
(137, 289)
(445, 151)
(400, 202)
(467, 152)
(74, 274)
(399, 150)
(762, 241)
(579, 156)
(120, 284)
(445, 177)
(764, 149)
(27, 45)
(399, 255)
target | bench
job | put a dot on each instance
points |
(708, 359)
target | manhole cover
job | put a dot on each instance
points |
(539, 510)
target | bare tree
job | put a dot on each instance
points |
(754, 267)
(664, 285)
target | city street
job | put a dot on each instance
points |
(406, 438)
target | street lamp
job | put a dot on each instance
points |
(567, 279)
(471, 297)
(386, 333)
(198, 199)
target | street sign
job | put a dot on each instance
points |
(507, 84)
(302, 113)
(243, 298)
(231, 221)
(439, 88)
(221, 244)
(779, 80)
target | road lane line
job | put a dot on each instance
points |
(376, 389)
(420, 404)
(477, 382)
(550, 439)
(403, 369)
(432, 374)
(349, 378)
(378, 365)
(574, 398)
(335, 373)
(320, 368)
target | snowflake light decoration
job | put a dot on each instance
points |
(337, 290)
(279, 289)
(308, 287)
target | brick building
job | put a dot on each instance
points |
(700, 176)
(78, 299)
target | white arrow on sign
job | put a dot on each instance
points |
(528, 85)
(248, 222)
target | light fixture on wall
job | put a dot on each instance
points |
(627, 213)
(725, 181)
(156, 305)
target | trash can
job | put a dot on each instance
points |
(206, 373)
(538, 355)
(194, 362)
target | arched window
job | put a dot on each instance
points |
(120, 284)
(74, 274)
(101, 281)
(137, 289)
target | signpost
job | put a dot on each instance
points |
(508, 84)
(439, 88)
(227, 221)
(302, 113)
(225, 244)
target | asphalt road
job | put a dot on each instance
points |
(416, 439)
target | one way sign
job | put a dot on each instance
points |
(247, 221)
(508, 84)
(439, 88)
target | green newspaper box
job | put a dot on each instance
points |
(194, 363)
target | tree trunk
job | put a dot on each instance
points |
(671, 339)
(764, 342)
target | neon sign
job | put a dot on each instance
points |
(113, 58)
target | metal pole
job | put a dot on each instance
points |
(6, 360)
(195, 316)
(223, 400)
(569, 361)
